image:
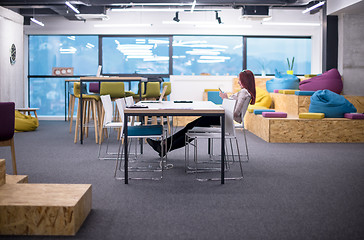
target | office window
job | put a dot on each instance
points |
(47, 52)
(264, 55)
(215, 55)
(79, 52)
(135, 55)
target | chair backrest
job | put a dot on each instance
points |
(129, 101)
(114, 89)
(153, 90)
(107, 105)
(229, 105)
(169, 88)
(121, 105)
(245, 108)
(94, 87)
(76, 89)
(7, 120)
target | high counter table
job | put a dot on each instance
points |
(170, 108)
(107, 79)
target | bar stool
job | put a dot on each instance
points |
(90, 102)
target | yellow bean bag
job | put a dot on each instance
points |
(252, 107)
(262, 99)
(25, 123)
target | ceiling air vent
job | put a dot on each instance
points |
(255, 12)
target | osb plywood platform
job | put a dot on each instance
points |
(181, 121)
(294, 105)
(14, 179)
(42, 209)
(294, 130)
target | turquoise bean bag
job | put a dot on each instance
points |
(282, 81)
(330, 103)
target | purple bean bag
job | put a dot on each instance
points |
(330, 80)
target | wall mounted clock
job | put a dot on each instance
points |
(12, 54)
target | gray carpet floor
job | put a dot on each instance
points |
(289, 191)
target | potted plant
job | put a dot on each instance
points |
(290, 66)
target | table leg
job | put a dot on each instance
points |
(222, 118)
(65, 102)
(126, 177)
(81, 113)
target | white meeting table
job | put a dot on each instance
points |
(172, 108)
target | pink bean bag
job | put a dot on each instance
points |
(330, 80)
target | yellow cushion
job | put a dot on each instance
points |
(211, 90)
(252, 107)
(262, 98)
(289, 91)
(311, 115)
(24, 123)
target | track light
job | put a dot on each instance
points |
(37, 22)
(217, 17)
(176, 18)
(313, 7)
(72, 7)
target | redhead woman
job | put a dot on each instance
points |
(247, 84)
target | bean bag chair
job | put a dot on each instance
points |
(331, 104)
(25, 123)
(282, 81)
(262, 99)
(330, 80)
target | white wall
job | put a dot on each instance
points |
(351, 49)
(11, 76)
(351, 54)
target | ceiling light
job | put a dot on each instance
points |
(313, 7)
(152, 4)
(176, 19)
(143, 9)
(190, 22)
(292, 24)
(222, 26)
(123, 25)
(37, 22)
(72, 7)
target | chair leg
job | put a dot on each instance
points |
(95, 119)
(246, 145)
(71, 110)
(15, 172)
(77, 120)
(87, 114)
(101, 132)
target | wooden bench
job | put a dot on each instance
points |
(294, 130)
(42, 209)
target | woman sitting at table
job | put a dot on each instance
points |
(177, 140)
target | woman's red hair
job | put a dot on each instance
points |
(247, 80)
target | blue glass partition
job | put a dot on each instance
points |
(265, 54)
(49, 51)
(215, 55)
(135, 55)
